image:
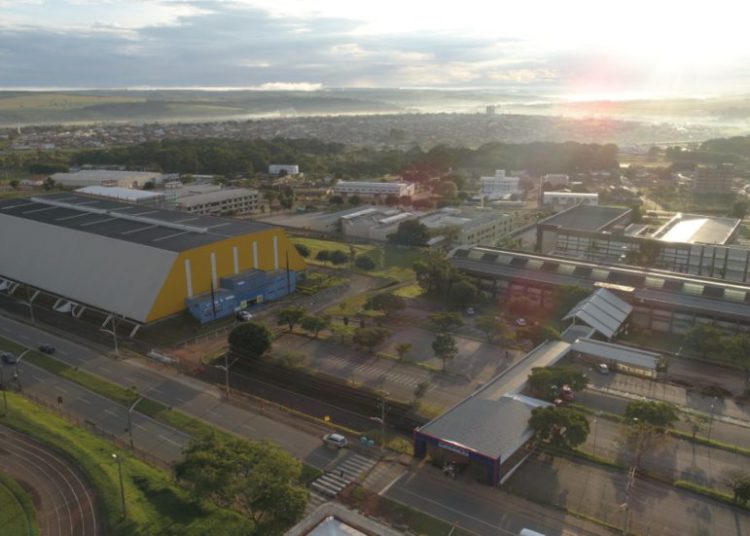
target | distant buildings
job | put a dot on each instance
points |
(569, 199)
(461, 228)
(374, 223)
(717, 180)
(498, 186)
(556, 179)
(285, 169)
(106, 177)
(374, 189)
(234, 201)
(127, 195)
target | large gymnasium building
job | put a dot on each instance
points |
(142, 264)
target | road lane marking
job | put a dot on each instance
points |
(169, 440)
(82, 399)
(110, 411)
(60, 388)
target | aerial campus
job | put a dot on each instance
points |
(316, 269)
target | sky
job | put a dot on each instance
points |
(577, 48)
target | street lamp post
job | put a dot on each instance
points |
(118, 460)
(17, 373)
(226, 366)
(5, 395)
(130, 420)
(711, 419)
(595, 421)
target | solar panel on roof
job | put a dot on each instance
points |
(461, 253)
(518, 261)
(550, 266)
(670, 284)
(713, 292)
(583, 271)
(692, 288)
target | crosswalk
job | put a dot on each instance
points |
(332, 482)
(377, 370)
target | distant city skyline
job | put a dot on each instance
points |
(578, 49)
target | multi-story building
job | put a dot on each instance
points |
(126, 195)
(235, 201)
(106, 177)
(499, 186)
(556, 179)
(286, 169)
(569, 199)
(717, 180)
(461, 228)
(374, 223)
(374, 189)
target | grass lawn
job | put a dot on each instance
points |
(16, 509)
(155, 504)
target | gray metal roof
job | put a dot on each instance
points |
(617, 352)
(169, 230)
(216, 197)
(585, 217)
(494, 428)
(601, 310)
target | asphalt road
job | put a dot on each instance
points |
(64, 500)
(172, 389)
(97, 412)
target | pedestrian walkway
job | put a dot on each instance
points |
(379, 370)
(332, 482)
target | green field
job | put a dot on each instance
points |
(155, 503)
(16, 509)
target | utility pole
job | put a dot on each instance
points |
(130, 420)
(5, 395)
(226, 373)
(17, 374)
(118, 459)
(113, 332)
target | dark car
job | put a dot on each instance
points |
(8, 358)
(47, 348)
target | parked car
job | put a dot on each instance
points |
(244, 316)
(602, 368)
(335, 440)
(521, 322)
(8, 358)
(47, 348)
(470, 311)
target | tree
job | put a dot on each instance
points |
(737, 350)
(703, 338)
(385, 302)
(567, 297)
(251, 339)
(445, 347)
(446, 321)
(402, 349)
(364, 262)
(315, 324)
(291, 316)
(302, 250)
(259, 477)
(338, 257)
(463, 293)
(448, 189)
(560, 427)
(739, 209)
(543, 381)
(323, 255)
(49, 184)
(355, 200)
(660, 415)
(369, 337)
(14, 183)
(490, 325)
(739, 481)
(336, 200)
(410, 233)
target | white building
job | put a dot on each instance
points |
(463, 229)
(127, 195)
(556, 179)
(374, 223)
(374, 189)
(569, 199)
(499, 186)
(106, 177)
(288, 169)
(235, 201)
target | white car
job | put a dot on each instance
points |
(335, 440)
(244, 315)
(602, 368)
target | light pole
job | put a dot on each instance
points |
(130, 420)
(17, 374)
(118, 460)
(5, 395)
(113, 332)
(595, 421)
(226, 366)
(711, 419)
